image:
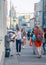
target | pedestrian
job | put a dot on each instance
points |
(12, 44)
(18, 41)
(44, 43)
(33, 39)
(28, 35)
(24, 37)
(39, 39)
(7, 45)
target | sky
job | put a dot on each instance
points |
(23, 6)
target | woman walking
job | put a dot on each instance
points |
(18, 41)
(44, 43)
(24, 37)
(33, 39)
(39, 40)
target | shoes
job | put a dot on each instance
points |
(39, 56)
(18, 53)
(11, 55)
(44, 53)
(34, 53)
(23, 47)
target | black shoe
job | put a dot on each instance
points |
(11, 55)
(34, 53)
(44, 53)
(39, 57)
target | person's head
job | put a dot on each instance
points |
(23, 29)
(17, 29)
(10, 34)
(44, 29)
(36, 27)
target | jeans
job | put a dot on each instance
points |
(44, 46)
(18, 45)
(34, 48)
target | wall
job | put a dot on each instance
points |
(32, 23)
(3, 19)
(38, 13)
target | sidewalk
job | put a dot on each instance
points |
(26, 58)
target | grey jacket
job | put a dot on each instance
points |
(7, 42)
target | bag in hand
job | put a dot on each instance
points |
(30, 43)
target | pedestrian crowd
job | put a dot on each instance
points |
(37, 39)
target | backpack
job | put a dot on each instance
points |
(39, 37)
(28, 34)
(33, 37)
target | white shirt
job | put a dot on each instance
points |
(18, 35)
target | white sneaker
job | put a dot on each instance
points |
(17, 53)
(23, 47)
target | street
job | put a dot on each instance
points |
(26, 58)
(19, 18)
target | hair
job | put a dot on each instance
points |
(44, 29)
(17, 29)
(22, 30)
(37, 27)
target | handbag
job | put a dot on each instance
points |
(33, 38)
(30, 43)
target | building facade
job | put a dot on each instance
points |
(44, 12)
(38, 13)
(12, 12)
(3, 19)
(32, 23)
(12, 16)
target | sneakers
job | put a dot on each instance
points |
(11, 55)
(23, 47)
(18, 53)
(44, 53)
(39, 56)
(34, 53)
